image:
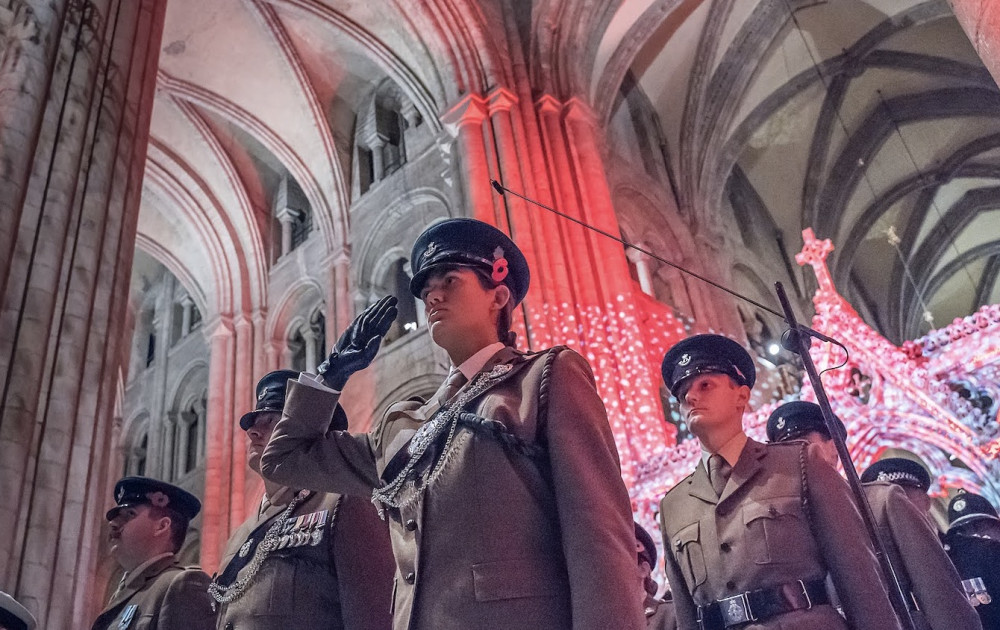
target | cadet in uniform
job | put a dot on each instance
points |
(504, 495)
(973, 544)
(148, 527)
(306, 559)
(751, 534)
(925, 574)
(14, 616)
(659, 612)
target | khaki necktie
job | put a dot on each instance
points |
(718, 473)
(451, 386)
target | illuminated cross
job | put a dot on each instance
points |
(814, 252)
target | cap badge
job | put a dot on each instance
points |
(781, 422)
(685, 359)
(959, 505)
(883, 476)
(262, 394)
(429, 250)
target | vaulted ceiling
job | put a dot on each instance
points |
(847, 116)
(851, 117)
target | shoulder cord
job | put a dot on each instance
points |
(804, 482)
(445, 419)
(228, 594)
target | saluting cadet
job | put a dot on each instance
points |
(973, 544)
(147, 527)
(751, 534)
(926, 576)
(305, 559)
(14, 616)
(503, 493)
(659, 612)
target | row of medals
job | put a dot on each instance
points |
(306, 529)
(975, 590)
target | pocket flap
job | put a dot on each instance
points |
(687, 534)
(772, 508)
(519, 577)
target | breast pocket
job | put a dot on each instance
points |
(687, 548)
(776, 530)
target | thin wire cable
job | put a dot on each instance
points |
(501, 189)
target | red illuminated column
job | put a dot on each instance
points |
(981, 21)
(466, 119)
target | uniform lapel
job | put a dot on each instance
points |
(747, 466)
(135, 583)
(700, 486)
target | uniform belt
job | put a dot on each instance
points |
(762, 604)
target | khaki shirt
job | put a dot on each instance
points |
(785, 515)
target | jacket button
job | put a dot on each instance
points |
(410, 577)
(730, 585)
(725, 547)
(410, 525)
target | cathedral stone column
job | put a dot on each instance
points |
(74, 133)
(981, 21)
(219, 438)
(581, 291)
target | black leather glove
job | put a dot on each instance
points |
(357, 347)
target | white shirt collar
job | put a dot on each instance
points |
(471, 366)
(730, 451)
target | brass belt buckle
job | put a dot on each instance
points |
(736, 610)
(809, 601)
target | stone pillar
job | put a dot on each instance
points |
(187, 304)
(339, 294)
(309, 338)
(244, 400)
(171, 467)
(72, 170)
(30, 46)
(981, 21)
(466, 122)
(286, 217)
(375, 145)
(641, 262)
(221, 418)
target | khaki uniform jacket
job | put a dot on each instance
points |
(528, 524)
(784, 515)
(925, 573)
(164, 596)
(344, 581)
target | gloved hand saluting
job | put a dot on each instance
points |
(357, 347)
